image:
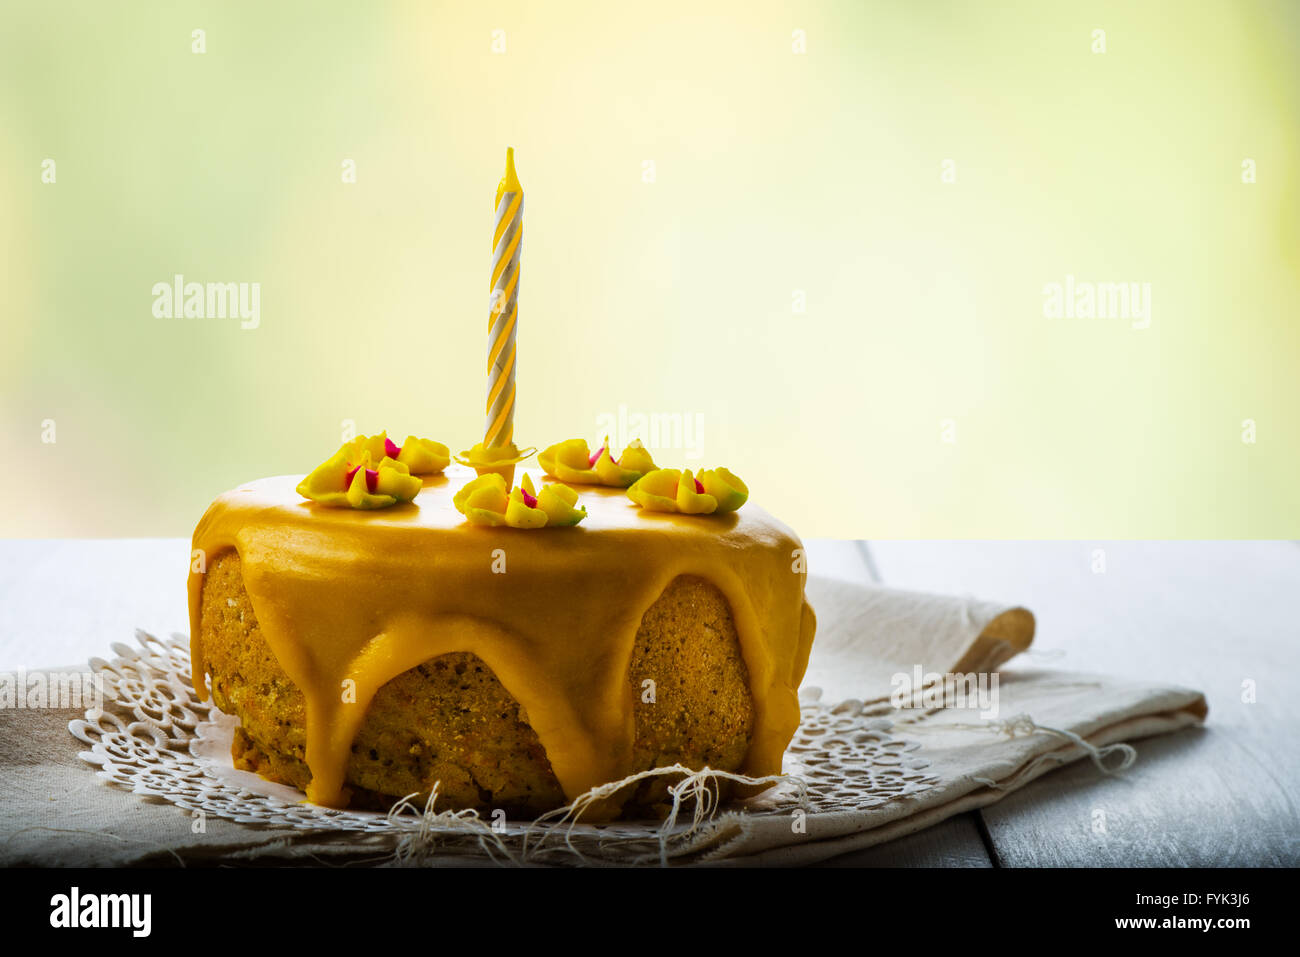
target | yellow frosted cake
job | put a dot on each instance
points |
(375, 653)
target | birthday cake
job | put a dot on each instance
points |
(373, 654)
(393, 626)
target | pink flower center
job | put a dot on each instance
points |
(391, 448)
(372, 478)
(699, 487)
(529, 500)
(594, 457)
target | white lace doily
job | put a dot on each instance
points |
(154, 738)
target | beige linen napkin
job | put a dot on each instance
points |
(51, 811)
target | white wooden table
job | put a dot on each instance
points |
(1217, 616)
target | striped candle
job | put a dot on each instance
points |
(503, 309)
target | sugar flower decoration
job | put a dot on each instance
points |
(347, 483)
(485, 501)
(572, 461)
(420, 456)
(373, 472)
(672, 490)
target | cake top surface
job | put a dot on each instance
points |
(608, 510)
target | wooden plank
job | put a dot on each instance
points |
(955, 842)
(1208, 615)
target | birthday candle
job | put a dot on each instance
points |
(503, 313)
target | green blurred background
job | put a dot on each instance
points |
(777, 174)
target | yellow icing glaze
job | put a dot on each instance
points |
(345, 596)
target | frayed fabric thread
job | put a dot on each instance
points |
(692, 817)
(1023, 724)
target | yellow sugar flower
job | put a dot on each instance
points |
(420, 456)
(379, 446)
(727, 488)
(656, 491)
(395, 479)
(423, 456)
(573, 461)
(522, 512)
(671, 490)
(328, 482)
(349, 479)
(635, 458)
(691, 497)
(559, 503)
(485, 501)
(569, 461)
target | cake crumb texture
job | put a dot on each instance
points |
(449, 719)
